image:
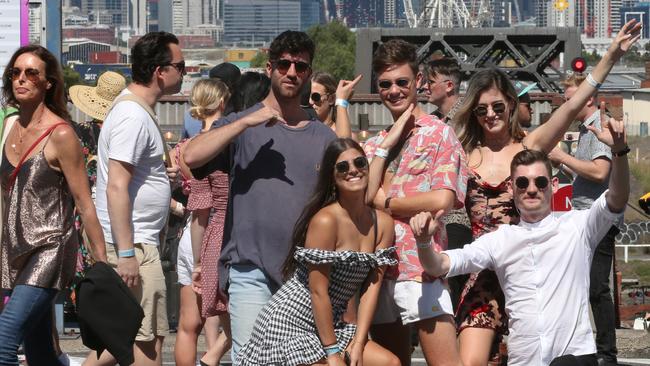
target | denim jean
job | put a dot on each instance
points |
(27, 318)
(600, 298)
(248, 291)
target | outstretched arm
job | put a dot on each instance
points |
(613, 135)
(546, 136)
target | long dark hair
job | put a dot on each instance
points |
(324, 194)
(54, 97)
(469, 131)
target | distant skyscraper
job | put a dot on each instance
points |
(256, 21)
(389, 12)
(109, 12)
(187, 14)
(309, 13)
(137, 16)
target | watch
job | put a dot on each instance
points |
(622, 152)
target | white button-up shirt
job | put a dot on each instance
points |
(543, 269)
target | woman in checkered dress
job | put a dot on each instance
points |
(346, 249)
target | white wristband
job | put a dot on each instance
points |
(381, 153)
(590, 79)
(342, 103)
(424, 245)
(180, 208)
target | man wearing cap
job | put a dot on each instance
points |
(591, 167)
(524, 111)
(229, 74)
(133, 189)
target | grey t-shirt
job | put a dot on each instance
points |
(273, 171)
(586, 191)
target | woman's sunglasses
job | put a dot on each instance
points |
(387, 84)
(343, 167)
(283, 66)
(317, 97)
(523, 182)
(497, 108)
(30, 74)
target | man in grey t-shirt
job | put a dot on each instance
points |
(590, 167)
(274, 150)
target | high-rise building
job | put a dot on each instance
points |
(640, 12)
(309, 13)
(389, 12)
(258, 21)
(187, 14)
(109, 12)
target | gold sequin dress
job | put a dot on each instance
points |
(39, 240)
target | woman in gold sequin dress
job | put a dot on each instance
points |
(43, 177)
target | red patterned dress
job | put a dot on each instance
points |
(482, 303)
(211, 192)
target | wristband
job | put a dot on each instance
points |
(590, 79)
(387, 203)
(381, 153)
(342, 103)
(622, 152)
(126, 253)
(332, 350)
(180, 208)
(423, 245)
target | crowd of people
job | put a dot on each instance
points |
(300, 245)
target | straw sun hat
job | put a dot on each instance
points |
(96, 101)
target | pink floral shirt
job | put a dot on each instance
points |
(432, 158)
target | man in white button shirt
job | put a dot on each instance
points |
(543, 262)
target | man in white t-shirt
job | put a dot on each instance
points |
(543, 263)
(133, 190)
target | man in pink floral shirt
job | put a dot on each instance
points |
(417, 165)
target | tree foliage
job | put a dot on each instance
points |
(335, 49)
(71, 77)
(591, 58)
(259, 60)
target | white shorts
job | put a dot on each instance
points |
(412, 301)
(185, 258)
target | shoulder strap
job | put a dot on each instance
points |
(14, 174)
(152, 113)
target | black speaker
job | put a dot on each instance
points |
(364, 123)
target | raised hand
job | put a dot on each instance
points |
(626, 37)
(612, 132)
(345, 88)
(398, 127)
(424, 225)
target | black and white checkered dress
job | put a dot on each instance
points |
(285, 332)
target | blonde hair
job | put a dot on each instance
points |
(469, 131)
(574, 79)
(207, 96)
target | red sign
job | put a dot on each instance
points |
(562, 198)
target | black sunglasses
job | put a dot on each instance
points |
(387, 84)
(541, 182)
(30, 74)
(497, 108)
(283, 66)
(343, 167)
(317, 97)
(180, 66)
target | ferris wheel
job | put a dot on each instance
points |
(449, 14)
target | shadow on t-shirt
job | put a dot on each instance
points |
(267, 164)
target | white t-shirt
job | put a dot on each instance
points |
(130, 135)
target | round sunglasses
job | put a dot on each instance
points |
(497, 108)
(541, 182)
(343, 167)
(317, 97)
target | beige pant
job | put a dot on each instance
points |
(150, 292)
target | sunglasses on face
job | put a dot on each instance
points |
(180, 66)
(497, 108)
(317, 97)
(30, 74)
(343, 167)
(523, 182)
(387, 84)
(283, 66)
